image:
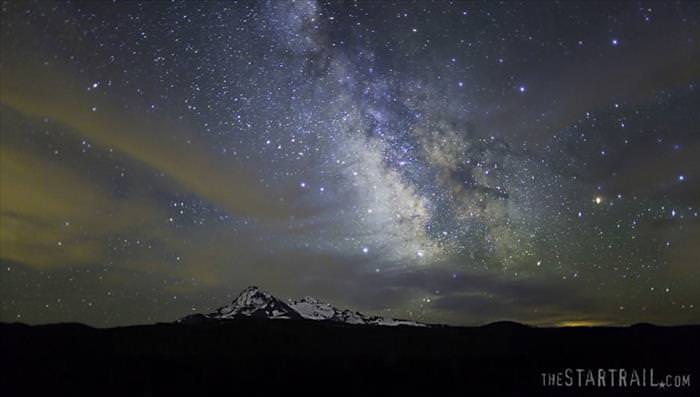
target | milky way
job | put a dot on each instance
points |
(440, 161)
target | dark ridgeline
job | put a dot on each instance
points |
(206, 355)
(325, 356)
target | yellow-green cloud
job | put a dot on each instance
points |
(40, 91)
(50, 216)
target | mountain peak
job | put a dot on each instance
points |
(253, 302)
(250, 295)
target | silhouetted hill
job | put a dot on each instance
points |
(327, 357)
(505, 325)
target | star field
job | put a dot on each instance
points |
(441, 161)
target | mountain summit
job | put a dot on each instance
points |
(253, 302)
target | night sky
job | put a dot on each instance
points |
(439, 161)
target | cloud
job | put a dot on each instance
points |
(50, 216)
(159, 144)
(592, 84)
(476, 298)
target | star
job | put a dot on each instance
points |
(142, 160)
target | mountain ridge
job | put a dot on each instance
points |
(253, 302)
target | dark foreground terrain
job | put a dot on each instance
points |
(331, 358)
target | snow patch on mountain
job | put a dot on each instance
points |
(312, 309)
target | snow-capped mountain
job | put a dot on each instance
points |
(253, 302)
